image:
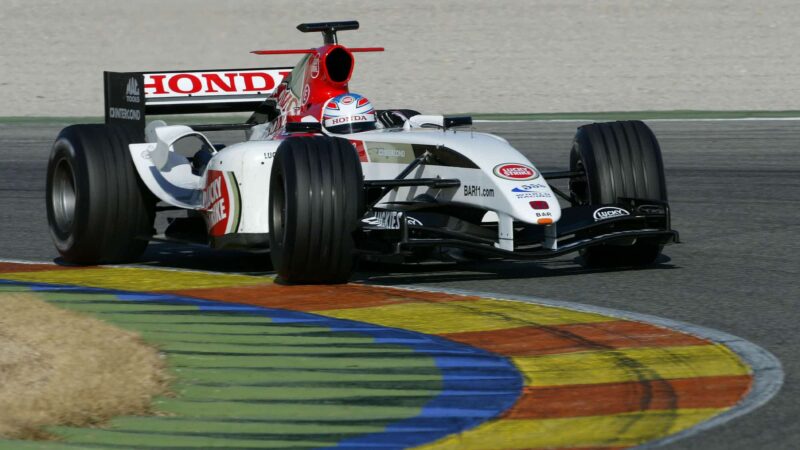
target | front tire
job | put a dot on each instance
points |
(98, 210)
(316, 199)
(619, 160)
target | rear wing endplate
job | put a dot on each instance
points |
(130, 96)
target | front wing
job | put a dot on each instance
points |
(406, 227)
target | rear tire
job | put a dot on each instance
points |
(98, 209)
(620, 160)
(316, 199)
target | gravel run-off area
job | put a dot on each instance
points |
(512, 56)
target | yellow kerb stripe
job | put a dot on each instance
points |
(618, 430)
(132, 279)
(462, 316)
(635, 364)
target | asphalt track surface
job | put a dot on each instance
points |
(734, 190)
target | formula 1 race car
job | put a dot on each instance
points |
(324, 179)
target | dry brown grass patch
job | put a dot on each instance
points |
(59, 367)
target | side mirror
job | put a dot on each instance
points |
(457, 121)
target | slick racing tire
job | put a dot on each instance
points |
(98, 209)
(316, 198)
(620, 160)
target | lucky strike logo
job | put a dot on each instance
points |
(347, 100)
(514, 171)
(215, 203)
(609, 212)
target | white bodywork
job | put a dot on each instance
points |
(239, 202)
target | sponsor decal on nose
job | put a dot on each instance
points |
(515, 171)
(529, 187)
(539, 204)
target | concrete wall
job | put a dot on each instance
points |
(449, 56)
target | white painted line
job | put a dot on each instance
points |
(20, 261)
(741, 119)
(767, 369)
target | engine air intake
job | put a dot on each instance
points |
(339, 64)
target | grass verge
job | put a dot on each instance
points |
(60, 367)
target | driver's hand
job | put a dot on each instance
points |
(391, 118)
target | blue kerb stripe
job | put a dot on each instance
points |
(477, 385)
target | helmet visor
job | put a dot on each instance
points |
(352, 124)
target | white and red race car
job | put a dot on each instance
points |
(323, 179)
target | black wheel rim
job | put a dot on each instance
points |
(64, 196)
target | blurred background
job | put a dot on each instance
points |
(513, 56)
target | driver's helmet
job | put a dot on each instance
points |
(348, 113)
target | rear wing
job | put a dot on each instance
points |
(130, 96)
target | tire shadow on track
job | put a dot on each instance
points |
(166, 255)
(411, 274)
